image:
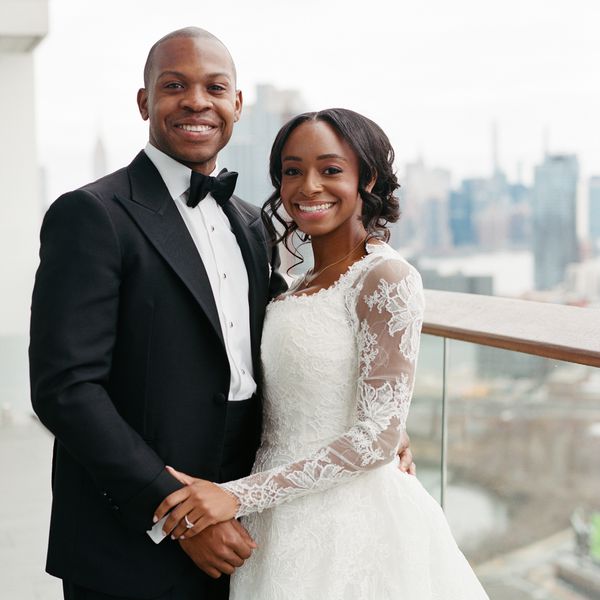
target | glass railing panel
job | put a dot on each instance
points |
(425, 419)
(523, 468)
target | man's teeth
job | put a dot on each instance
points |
(196, 128)
(314, 207)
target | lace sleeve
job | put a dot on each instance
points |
(389, 310)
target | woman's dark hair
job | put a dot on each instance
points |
(375, 157)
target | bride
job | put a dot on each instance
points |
(332, 515)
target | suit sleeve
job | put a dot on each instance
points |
(74, 317)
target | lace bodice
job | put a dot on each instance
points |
(338, 368)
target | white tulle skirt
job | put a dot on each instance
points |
(380, 536)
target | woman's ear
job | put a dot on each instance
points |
(369, 187)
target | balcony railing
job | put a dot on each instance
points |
(565, 333)
(505, 426)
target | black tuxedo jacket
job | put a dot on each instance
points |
(129, 371)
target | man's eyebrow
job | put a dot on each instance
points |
(219, 74)
(180, 75)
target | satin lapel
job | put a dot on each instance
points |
(253, 255)
(153, 209)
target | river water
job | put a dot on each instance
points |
(473, 513)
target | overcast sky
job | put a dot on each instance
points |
(434, 74)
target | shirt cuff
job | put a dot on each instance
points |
(157, 535)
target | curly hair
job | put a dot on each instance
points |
(376, 159)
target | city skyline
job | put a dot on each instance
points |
(435, 78)
(436, 207)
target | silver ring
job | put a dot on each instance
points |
(187, 522)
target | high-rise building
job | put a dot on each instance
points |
(519, 225)
(249, 148)
(460, 219)
(463, 205)
(554, 219)
(424, 203)
(99, 159)
(594, 212)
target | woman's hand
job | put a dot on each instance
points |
(195, 507)
(406, 464)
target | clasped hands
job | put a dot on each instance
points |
(194, 507)
(220, 549)
(201, 503)
(215, 549)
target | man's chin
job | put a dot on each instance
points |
(195, 160)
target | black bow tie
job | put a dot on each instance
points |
(220, 187)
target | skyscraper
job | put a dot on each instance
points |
(424, 203)
(594, 212)
(249, 148)
(99, 159)
(519, 226)
(463, 203)
(554, 218)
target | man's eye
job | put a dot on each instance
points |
(174, 85)
(217, 88)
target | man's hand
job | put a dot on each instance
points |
(221, 548)
(406, 458)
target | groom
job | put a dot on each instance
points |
(146, 320)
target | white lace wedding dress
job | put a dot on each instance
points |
(332, 515)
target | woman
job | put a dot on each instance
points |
(332, 515)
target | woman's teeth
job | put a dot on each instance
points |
(314, 207)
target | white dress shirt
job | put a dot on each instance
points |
(211, 231)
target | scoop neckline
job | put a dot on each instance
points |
(370, 247)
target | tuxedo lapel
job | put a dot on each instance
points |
(153, 209)
(256, 267)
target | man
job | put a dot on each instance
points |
(146, 319)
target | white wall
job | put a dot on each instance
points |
(22, 24)
(23, 18)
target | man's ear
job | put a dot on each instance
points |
(142, 102)
(239, 102)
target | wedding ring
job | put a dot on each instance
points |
(188, 524)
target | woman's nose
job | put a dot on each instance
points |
(311, 185)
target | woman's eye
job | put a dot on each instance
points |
(332, 170)
(291, 171)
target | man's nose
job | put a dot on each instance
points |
(197, 99)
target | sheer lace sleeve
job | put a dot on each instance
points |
(388, 310)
